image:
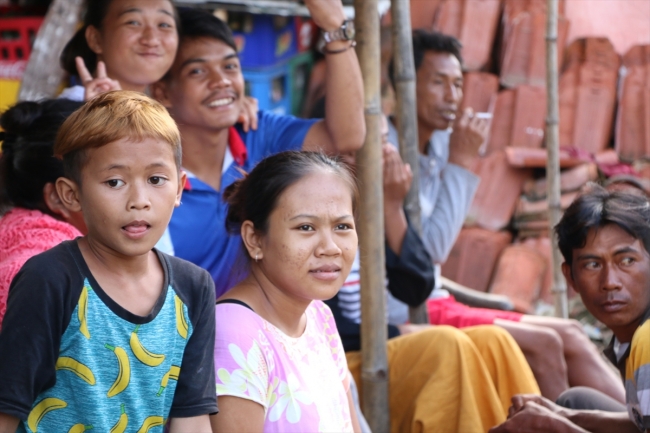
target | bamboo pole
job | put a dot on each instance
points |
(553, 160)
(407, 128)
(374, 367)
(43, 75)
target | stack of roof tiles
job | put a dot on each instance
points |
(588, 94)
(523, 46)
(633, 120)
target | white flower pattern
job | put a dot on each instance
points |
(290, 398)
(300, 381)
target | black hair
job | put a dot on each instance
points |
(424, 41)
(199, 23)
(597, 208)
(77, 46)
(27, 162)
(254, 197)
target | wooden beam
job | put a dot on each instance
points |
(552, 135)
(407, 127)
(374, 368)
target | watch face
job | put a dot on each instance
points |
(348, 30)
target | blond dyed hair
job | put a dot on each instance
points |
(109, 117)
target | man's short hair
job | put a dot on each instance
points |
(424, 41)
(597, 208)
(198, 23)
(110, 117)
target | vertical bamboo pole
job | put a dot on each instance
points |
(553, 160)
(407, 128)
(43, 75)
(374, 369)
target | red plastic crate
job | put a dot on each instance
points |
(16, 37)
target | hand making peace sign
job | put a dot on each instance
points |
(95, 86)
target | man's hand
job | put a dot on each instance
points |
(466, 140)
(248, 114)
(327, 14)
(519, 402)
(95, 86)
(534, 418)
(397, 176)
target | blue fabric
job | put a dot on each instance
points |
(197, 227)
(103, 345)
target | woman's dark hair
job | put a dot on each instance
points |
(96, 11)
(597, 208)
(254, 197)
(27, 162)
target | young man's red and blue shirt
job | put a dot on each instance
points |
(198, 225)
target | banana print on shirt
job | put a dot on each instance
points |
(108, 366)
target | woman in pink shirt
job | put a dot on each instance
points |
(279, 359)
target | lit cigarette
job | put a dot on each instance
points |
(483, 115)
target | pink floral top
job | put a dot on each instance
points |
(302, 382)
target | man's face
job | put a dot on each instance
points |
(439, 89)
(206, 86)
(612, 275)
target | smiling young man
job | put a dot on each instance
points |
(204, 91)
(605, 241)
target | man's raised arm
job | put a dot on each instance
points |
(344, 128)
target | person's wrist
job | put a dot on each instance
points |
(393, 205)
(333, 22)
(463, 160)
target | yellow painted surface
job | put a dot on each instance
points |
(8, 93)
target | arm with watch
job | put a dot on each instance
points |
(344, 128)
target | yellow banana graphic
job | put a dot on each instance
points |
(41, 409)
(79, 428)
(173, 373)
(71, 364)
(181, 323)
(140, 352)
(150, 422)
(120, 425)
(81, 312)
(124, 375)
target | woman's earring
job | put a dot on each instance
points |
(256, 257)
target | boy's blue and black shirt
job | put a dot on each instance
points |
(72, 359)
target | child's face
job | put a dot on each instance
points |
(612, 275)
(138, 41)
(128, 192)
(206, 85)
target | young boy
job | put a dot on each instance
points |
(103, 332)
(604, 238)
(204, 90)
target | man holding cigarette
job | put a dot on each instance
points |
(450, 141)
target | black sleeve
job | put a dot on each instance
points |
(410, 275)
(196, 392)
(41, 300)
(349, 331)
